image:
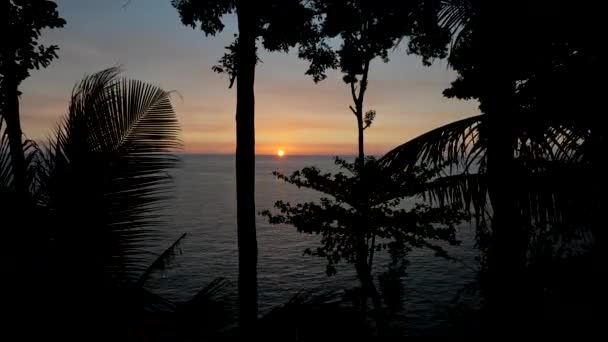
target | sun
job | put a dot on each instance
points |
(280, 153)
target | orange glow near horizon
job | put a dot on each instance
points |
(280, 153)
(299, 148)
(292, 113)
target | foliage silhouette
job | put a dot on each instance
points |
(101, 178)
(365, 204)
(526, 163)
(107, 162)
(80, 213)
(312, 316)
(23, 22)
(367, 31)
(92, 214)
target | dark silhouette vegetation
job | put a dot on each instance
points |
(81, 212)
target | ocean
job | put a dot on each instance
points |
(204, 207)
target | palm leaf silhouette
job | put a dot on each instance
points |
(104, 173)
(6, 177)
(455, 15)
(550, 157)
(95, 191)
(162, 261)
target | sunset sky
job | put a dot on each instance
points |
(292, 113)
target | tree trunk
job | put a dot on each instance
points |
(13, 128)
(21, 267)
(361, 154)
(506, 254)
(506, 259)
(362, 263)
(367, 283)
(245, 166)
(359, 113)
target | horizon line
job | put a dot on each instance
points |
(274, 155)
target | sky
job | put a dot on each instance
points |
(149, 42)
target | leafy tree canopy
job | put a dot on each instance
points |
(370, 29)
(374, 205)
(280, 24)
(527, 53)
(22, 22)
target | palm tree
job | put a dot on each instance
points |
(108, 163)
(552, 181)
(523, 161)
(94, 192)
(542, 150)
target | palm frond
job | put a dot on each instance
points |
(557, 194)
(455, 16)
(6, 171)
(462, 144)
(314, 315)
(464, 191)
(209, 313)
(205, 295)
(105, 172)
(132, 301)
(547, 156)
(31, 152)
(163, 260)
(457, 143)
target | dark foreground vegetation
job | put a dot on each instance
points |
(79, 211)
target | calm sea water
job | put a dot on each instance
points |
(204, 207)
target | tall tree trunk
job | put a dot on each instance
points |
(361, 152)
(506, 255)
(245, 165)
(506, 259)
(363, 267)
(358, 99)
(361, 259)
(365, 278)
(13, 129)
(21, 267)
(363, 262)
